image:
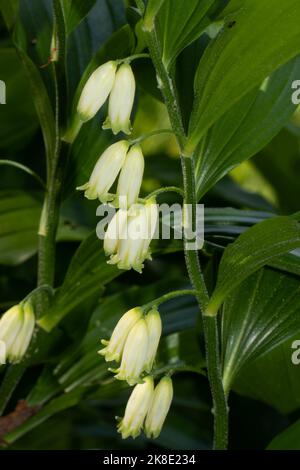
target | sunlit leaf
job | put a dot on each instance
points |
(75, 11)
(257, 38)
(19, 219)
(259, 315)
(246, 128)
(252, 250)
(272, 378)
(178, 25)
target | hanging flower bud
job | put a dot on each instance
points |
(131, 177)
(121, 101)
(161, 402)
(21, 343)
(134, 354)
(114, 232)
(96, 90)
(2, 352)
(114, 347)
(105, 172)
(136, 409)
(16, 329)
(133, 249)
(154, 325)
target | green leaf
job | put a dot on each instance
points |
(153, 7)
(41, 102)
(19, 220)
(282, 173)
(179, 25)
(18, 116)
(288, 262)
(246, 128)
(9, 11)
(75, 11)
(257, 38)
(272, 378)
(23, 168)
(39, 93)
(289, 439)
(252, 250)
(258, 316)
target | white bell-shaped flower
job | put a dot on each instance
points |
(136, 409)
(160, 405)
(96, 90)
(116, 227)
(16, 329)
(114, 347)
(130, 178)
(152, 221)
(121, 101)
(134, 354)
(154, 325)
(105, 172)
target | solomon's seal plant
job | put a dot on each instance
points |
(151, 109)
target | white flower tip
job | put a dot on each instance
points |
(116, 126)
(2, 352)
(90, 192)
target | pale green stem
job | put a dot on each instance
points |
(166, 189)
(130, 58)
(143, 137)
(164, 298)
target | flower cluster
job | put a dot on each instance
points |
(134, 341)
(118, 158)
(116, 83)
(16, 329)
(131, 230)
(134, 344)
(129, 233)
(147, 408)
